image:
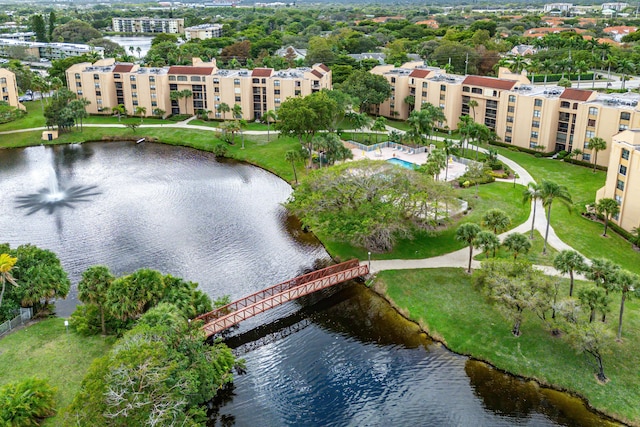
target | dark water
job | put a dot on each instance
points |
(342, 358)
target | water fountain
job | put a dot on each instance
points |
(54, 196)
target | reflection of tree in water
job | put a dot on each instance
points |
(216, 419)
(513, 397)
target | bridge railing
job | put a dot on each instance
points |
(276, 289)
(220, 324)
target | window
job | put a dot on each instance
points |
(154, 96)
(536, 113)
(236, 81)
(618, 198)
(586, 145)
(476, 90)
(96, 77)
(565, 104)
(620, 185)
(297, 93)
(97, 85)
(173, 86)
(392, 105)
(442, 96)
(182, 78)
(466, 89)
(589, 134)
(172, 78)
(591, 123)
(625, 154)
(98, 93)
(511, 109)
(132, 78)
(238, 99)
(575, 105)
(586, 157)
(78, 84)
(152, 87)
(443, 88)
(298, 84)
(216, 89)
(276, 82)
(134, 94)
(3, 80)
(152, 79)
(255, 81)
(277, 100)
(593, 111)
(622, 170)
(80, 93)
(276, 91)
(424, 85)
(507, 139)
(509, 129)
(135, 103)
(623, 127)
(195, 78)
(532, 144)
(393, 79)
(625, 116)
(216, 81)
(509, 119)
(99, 101)
(116, 76)
(534, 134)
(133, 86)
(537, 103)
(512, 98)
(154, 104)
(535, 124)
(424, 94)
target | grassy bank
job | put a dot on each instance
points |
(534, 256)
(46, 351)
(499, 195)
(450, 309)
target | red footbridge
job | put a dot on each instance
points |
(231, 314)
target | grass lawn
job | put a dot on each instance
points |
(467, 324)
(102, 120)
(575, 230)
(499, 195)
(534, 255)
(33, 119)
(44, 350)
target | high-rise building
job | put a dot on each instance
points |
(148, 25)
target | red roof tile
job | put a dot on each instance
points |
(317, 73)
(421, 74)
(183, 69)
(489, 82)
(122, 68)
(576, 94)
(323, 67)
(262, 72)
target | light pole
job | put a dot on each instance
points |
(369, 254)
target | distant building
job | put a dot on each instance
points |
(298, 53)
(148, 25)
(616, 6)
(9, 88)
(23, 37)
(381, 57)
(524, 49)
(562, 8)
(47, 51)
(107, 84)
(618, 32)
(623, 178)
(203, 32)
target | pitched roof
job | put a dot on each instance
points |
(317, 73)
(576, 94)
(489, 82)
(122, 68)
(323, 67)
(184, 69)
(261, 72)
(421, 74)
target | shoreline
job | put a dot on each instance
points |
(373, 286)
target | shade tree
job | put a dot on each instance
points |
(517, 243)
(570, 262)
(467, 234)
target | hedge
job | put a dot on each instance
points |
(586, 164)
(524, 150)
(538, 78)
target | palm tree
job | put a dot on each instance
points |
(611, 61)
(488, 241)
(140, 111)
(607, 207)
(120, 110)
(176, 95)
(473, 104)
(465, 127)
(570, 262)
(547, 67)
(604, 274)
(517, 243)
(185, 93)
(551, 191)
(139, 50)
(496, 220)
(467, 233)
(379, 125)
(625, 66)
(449, 147)
(6, 264)
(242, 123)
(597, 144)
(268, 117)
(237, 111)
(93, 287)
(581, 66)
(224, 109)
(292, 156)
(532, 194)
(627, 283)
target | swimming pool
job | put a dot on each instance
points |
(403, 163)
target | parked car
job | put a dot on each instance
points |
(25, 98)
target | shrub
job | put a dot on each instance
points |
(220, 150)
(585, 164)
(538, 155)
(560, 155)
(26, 403)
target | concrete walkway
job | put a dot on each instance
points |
(458, 258)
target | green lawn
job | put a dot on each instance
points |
(129, 119)
(429, 244)
(33, 119)
(534, 256)
(452, 310)
(44, 350)
(575, 230)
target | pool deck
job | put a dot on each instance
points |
(455, 169)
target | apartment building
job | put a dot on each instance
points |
(623, 178)
(148, 25)
(203, 32)
(107, 84)
(9, 88)
(546, 118)
(50, 51)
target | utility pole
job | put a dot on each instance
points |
(466, 64)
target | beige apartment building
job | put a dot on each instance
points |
(148, 25)
(9, 88)
(107, 84)
(203, 32)
(623, 178)
(545, 118)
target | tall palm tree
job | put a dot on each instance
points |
(517, 243)
(570, 262)
(176, 95)
(268, 117)
(607, 207)
(467, 233)
(292, 156)
(625, 66)
(547, 67)
(379, 125)
(597, 144)
(224, 109)
(140, 111)
(6, 264)
(610, 61)
(551, 191)
(185, 93)
(473, 104)
(532, 194)
(581, 66)
(237, 111)
(627, 283)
